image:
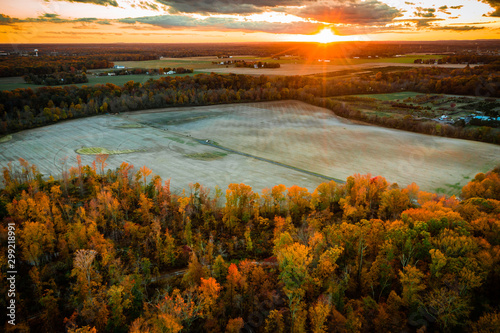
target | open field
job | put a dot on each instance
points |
(168, 154)
(11, 83)
(316, 68)
(313, 139)
(244, 141)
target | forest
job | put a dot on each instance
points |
(26, 108)
(117, 251)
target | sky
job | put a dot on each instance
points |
(210, 21)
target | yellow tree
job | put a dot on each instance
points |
(145, 173)
(293, 261)
(298, 200)
(411, 280)
(36, 239)
(239, 205)
(325, 195)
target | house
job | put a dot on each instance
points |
(170, 72)
(111, 74)
(118, 67)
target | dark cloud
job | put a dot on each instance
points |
(425, 12)
(7, 20)
(495, 4)
(219, 23)
(226, 6)
(96, 2)
(370, 12)
(456, 7)
(422, 23)
(444, 9)
(458, 28)
(50, 17)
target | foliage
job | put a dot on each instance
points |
(116, 251)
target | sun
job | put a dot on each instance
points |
(325, 36)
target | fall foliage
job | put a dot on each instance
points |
(117, 251)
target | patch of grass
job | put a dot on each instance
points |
(456, 186)
(130, 126)
(5, 138)
(179, 140)
(176, 139)
(101, 150)
(391, 96)
(208, 156)
(440, 190)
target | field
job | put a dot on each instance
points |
(260, 144)
(11, 83)
(289, 66)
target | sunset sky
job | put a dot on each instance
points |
(174, 21)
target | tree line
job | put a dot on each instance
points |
(56, 79)
(95, 248)
(19, 66)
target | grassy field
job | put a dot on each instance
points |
(11, 83)
(190, 63)
(207, 156)
(418, 105)
(297, 144)
(103, 151)
(391, 96)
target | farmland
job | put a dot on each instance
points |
(11, 83)
(289, 66)
(260, 144)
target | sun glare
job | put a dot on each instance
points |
(325, 36)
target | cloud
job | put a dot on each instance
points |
(368, 12)
(225, 6)
(457, 28)
(220, 23)
(496, 5)
(7, 20)
(456, 7)
(96, 2)
(422, 23)
(425, 12)
(444, 9)
(50, 17)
